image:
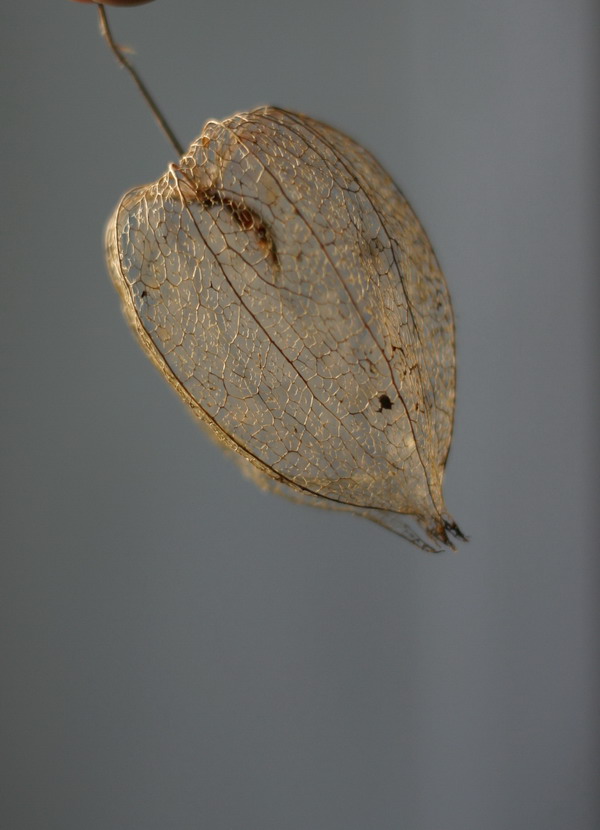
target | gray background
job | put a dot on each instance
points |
(181, 650)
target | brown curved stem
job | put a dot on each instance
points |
(116, 50)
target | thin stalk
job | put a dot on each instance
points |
(116, 50)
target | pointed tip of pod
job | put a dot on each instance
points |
(444, 529)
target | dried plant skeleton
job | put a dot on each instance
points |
(282, 284)
(285, 288)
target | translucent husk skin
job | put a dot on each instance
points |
(283, 285)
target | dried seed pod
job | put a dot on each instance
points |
(283, 285)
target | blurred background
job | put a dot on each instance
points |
(180, 649)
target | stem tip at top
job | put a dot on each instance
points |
(143, 89)
(115, 2)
